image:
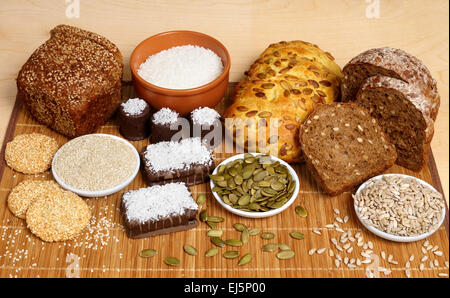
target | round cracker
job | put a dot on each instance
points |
(31, 153)
(58, 217)
(26, 192)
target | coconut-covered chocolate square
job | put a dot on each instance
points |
(188, 160)
(157, 210)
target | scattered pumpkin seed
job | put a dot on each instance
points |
(297, 235)
(245, 259)
(190, 250)
(244, 236)
(211, 224)
(283, 246)
(270, 247)
(212, 252)
(233, 242)
(201, 199)
(239, 227)
(217, 241)
(215, 219)
(231, 254)
(301, 211)
(172, 261)
(215, 233)
(267, 235)
(203, 215)
(254, 231)
(147, 253)
(285, 254)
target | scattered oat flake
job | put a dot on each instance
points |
(337, 263)
(321, 251)
(408, 273)
(439, 253)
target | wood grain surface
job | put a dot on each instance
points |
(103, 250)
(246, 28)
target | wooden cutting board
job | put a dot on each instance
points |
(104, 250)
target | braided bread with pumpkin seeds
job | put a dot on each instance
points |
(285, 83)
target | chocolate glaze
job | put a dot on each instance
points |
(135, 229)
(134, 127)
(162, 132)
(205, 130)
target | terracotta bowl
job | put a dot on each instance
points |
(186, 100)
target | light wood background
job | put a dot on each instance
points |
(246, 28)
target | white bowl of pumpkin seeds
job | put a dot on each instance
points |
(276, 189)
(399, 207)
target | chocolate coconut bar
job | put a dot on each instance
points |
(189, 161)
(157, 210)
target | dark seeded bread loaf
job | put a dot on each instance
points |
(344, 146)
(392, 63)
(72, 83)
(404, 114)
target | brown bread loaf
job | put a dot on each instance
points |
(392, 63)
(344, 146)
(404, 113)
(284, 83)
(72, 83)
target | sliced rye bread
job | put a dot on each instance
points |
(392, 63)
(404, 114)
(343, 146)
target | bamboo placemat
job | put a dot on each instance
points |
(105, 251)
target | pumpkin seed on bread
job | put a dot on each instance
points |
(279, 91)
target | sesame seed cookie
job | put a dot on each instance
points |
(31, 153)
(59, 216)
(26, 192)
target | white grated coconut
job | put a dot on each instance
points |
(166, 156)
(181, 67)
(159, 201)
(204, 116)
(134, 106)
(165, 116)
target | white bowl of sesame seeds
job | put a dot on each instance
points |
(392, 206)
(96, 165)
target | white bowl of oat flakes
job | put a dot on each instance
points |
(399, 208)
(96, 165)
